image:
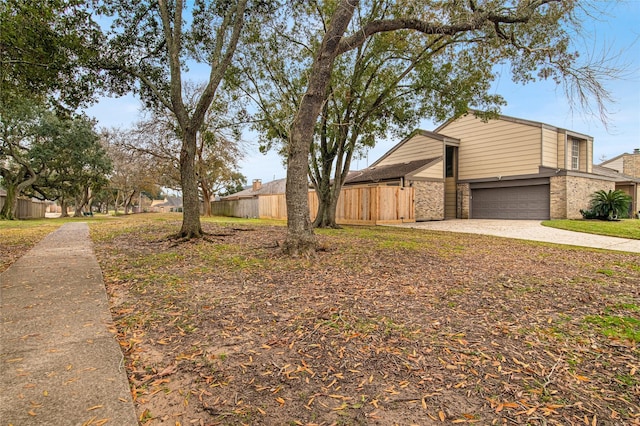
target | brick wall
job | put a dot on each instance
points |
(464, 200)
(570, 194)
(429, 200)
(631, 165)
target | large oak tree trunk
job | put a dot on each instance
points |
(191, 227)
(10, 206)
(300, 236)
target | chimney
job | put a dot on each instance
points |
(257, 184)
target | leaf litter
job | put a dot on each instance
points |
(451, 328)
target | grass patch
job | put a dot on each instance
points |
(616, 327)
(626, 228)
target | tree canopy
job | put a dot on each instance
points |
(47, 52)
(47, 156)
(151, 47)
(532, 36)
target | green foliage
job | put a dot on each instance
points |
(44, 155)
(77, 162)
(384, 81)
(46, 52)
(610, 205)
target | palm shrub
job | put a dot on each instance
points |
(610, 205)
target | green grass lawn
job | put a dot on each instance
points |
(626, 228)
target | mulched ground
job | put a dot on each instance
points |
(385, 326)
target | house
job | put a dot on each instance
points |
(254, 201)
(626, 169)
(257, 189)
(503, 168)
(170, 204)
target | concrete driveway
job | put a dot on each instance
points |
(528, 230)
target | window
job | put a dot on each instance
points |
(450, 159)
(575, 154)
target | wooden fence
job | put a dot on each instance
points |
(356, 206)
(246, 207)
(28, 209)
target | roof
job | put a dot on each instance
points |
(387, 172)
(169, 201)
(519, 121)
(420, 132)
(620, 177)
(274, 187)
(617, 157)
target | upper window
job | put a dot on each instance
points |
(450, 159)
(575, 154)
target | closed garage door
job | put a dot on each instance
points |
(516, 202)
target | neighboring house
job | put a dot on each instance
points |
(626, 169)
(247, 203)
(257, 189)
(170, 204)
(504, 168)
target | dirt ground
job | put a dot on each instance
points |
(384, 327)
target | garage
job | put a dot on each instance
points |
(513, 202)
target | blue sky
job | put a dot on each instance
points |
(618, 32)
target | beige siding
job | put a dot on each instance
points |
(562, 150)
(617, 164)
(496, 148)
(450, 201)
(436, 171)
(416, 148)
(589, 156)
(549, 148)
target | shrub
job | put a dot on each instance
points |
(610, 205)
(588, 214)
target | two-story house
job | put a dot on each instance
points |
(504, 168)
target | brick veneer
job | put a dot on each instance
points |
(464, 200)
(570, 194)
(429, 200)
(631, 165)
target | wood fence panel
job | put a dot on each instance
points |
(356, 206)
(248, 207)
(395, 205)
(273, 206)
(28, 209)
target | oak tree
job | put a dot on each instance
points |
(154, 44)
(534, 37)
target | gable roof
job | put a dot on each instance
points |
(620, 177)
(425, 133)
(169, 201)
(274, 187)
(388, 172)
(523, 121)
(617, 157)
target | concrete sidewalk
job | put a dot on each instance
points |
(529, 230)
(60, 365)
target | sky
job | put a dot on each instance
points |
(618, 33)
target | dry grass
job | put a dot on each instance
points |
(386, 326)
